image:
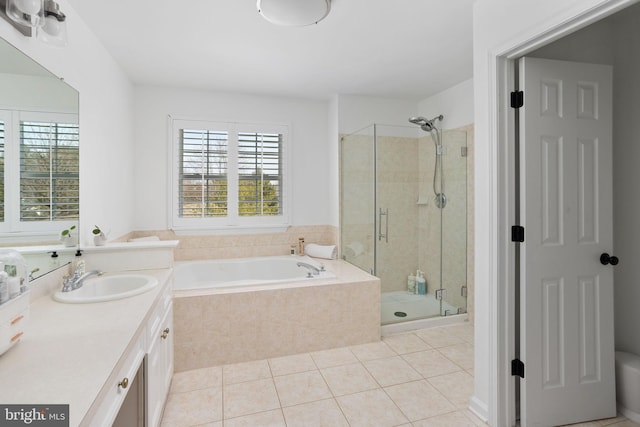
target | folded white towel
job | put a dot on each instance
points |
(321, 251)
(145, 239)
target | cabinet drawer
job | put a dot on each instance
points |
(114, 392)
(13, 329)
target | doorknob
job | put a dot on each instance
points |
(605, 259)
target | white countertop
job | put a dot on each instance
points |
(70, 350)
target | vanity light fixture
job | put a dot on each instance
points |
(43, 17)
(29, 13)
(294, 13)
(54, 30)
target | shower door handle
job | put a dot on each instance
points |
(384, 235)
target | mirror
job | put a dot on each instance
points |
(39, 161)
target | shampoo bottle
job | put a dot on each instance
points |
(411, 284)
(421, 283)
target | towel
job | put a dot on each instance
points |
(321, 251)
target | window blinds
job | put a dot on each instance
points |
(2, 144)
(229, 173)
(203, 173)
(260, 177)
(49, 171)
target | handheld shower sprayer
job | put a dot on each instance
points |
(426, 125)
(430, 126)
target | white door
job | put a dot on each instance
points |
(567, 337)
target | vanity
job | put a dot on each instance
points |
(111, 362)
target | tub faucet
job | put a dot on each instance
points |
(77, 280)
(312, 268)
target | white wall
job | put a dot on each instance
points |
(454, 103)
(313, 202)
(358, 112)
(626, 175)
(499, 27)
(106, 121)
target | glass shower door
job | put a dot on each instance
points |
(396, 210)
(357, 198)
(454, 223)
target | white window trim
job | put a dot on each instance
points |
(12, 224)
(232, 223)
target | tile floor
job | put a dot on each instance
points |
(422, 378)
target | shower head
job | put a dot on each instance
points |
(426, 125)
(418, 120)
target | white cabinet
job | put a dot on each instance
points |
(159, 363)
(117, 387)
(152, 349)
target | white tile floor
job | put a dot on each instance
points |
(423, 378)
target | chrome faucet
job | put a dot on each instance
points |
(77, 280)
(312, 268)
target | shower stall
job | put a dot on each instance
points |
(404, 209)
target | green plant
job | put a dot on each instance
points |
(67, 232)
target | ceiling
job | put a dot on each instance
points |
(407, 49)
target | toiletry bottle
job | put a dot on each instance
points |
(4, 287)
(54, 262)
(421, 283)
(300, 246)
(411, 284)
(13, 281)
(80, 267)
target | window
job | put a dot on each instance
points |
(228, 175)
(39, 152)
(2, 143)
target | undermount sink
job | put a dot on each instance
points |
(108, 288)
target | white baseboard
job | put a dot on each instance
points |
(479, 408)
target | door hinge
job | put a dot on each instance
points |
(517, 368)
(463, 291)
(517, 99)
(441, 294)
(517, 233)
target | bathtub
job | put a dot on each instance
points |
(239, 310)
(234, 273)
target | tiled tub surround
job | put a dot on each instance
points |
(220, 326)
(219, 246)
(71, 350)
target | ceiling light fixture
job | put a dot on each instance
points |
(294, 13)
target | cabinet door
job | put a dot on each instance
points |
(160, 369)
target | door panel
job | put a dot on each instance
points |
(567, 295)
